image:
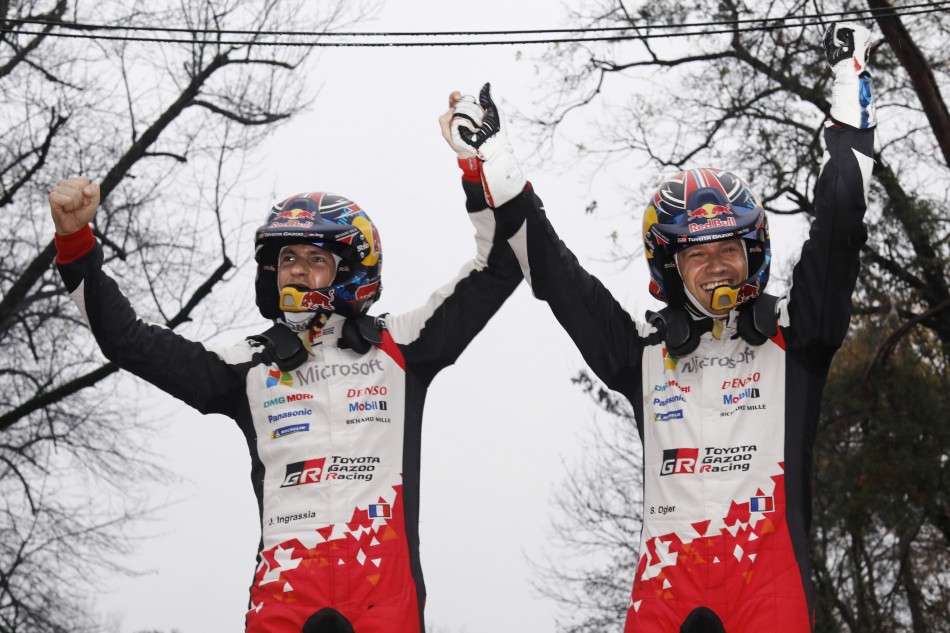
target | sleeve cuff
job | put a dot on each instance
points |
(71, 247)
(471, 169)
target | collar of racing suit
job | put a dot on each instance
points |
(329, 334)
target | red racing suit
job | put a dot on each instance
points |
(334, 443)
(727, 431)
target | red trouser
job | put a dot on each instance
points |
(366, 576)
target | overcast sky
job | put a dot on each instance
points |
(499, 426)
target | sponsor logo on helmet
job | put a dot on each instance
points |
(658, 236)
(714, 223)
(316, 300)
(348, 238)
(296, 224)
(747, 292)
(707, 211)
(294, 214)
(367, 291)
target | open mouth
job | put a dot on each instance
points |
(710, 286)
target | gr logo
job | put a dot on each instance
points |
(306, 472)
(678, 461)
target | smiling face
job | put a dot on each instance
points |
(705, 267)
(305, 266)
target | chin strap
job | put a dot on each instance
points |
(758, 322)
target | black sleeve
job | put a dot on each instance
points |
(174, 364)
(603, 331)
(823, 280)
(434, 335)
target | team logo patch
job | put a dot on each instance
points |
(305, 472)
(679, 461)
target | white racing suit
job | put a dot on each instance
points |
(728, 430)
(334, 443)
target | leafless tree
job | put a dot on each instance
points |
(164, 127)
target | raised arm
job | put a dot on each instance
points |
(434, 335)
(819, 306)
(182, 368)
(603, 331)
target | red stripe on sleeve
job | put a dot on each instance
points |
(392, 350)
(71, 247)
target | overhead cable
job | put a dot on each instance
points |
(392, 38)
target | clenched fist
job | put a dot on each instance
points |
(462, 112)
(73, 203)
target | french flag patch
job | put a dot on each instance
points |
(381, 511)
(760, 504)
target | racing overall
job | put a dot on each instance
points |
(727, 430)
(334, 443)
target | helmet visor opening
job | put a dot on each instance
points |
(308, 265)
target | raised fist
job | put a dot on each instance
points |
(852, 100)
(73, 203)
(847, 41)
(463, 114)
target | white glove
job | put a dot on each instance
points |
(502, 178)
(846, 48)
(466, 115)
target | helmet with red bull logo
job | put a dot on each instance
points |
(699, 206)
(336, 224)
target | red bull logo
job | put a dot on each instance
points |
(746, 292)
(294, 214)
(707, 212)
(316, 300)
(714, 223)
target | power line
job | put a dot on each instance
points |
(686, 30)
(931, 7)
